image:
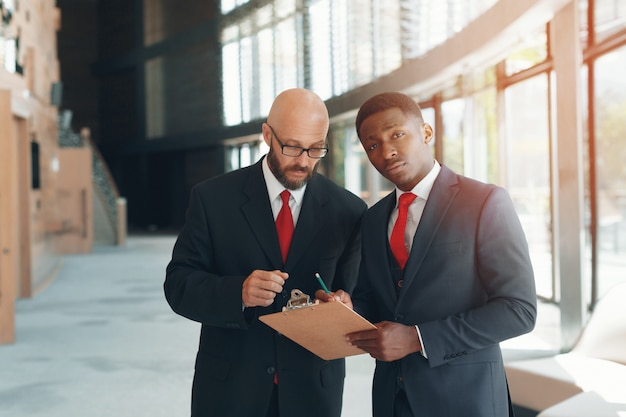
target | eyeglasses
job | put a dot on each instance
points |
(296, 151)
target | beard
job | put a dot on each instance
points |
(280, 172)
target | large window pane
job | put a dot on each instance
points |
(320, 63)
(387, 36)
(155, 98)
(231, 84)
(453, 112)
(531, 51)
(610, 17)
(247, 71)
(482, 138)
(610, 104)
(528, 171)
(266, 71)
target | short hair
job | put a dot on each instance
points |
(386, 101)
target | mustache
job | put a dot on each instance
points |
(299, 168)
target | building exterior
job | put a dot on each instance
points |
(47, 172)
(523, 93)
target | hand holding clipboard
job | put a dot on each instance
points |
(318, 327)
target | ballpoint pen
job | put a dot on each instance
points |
(319, 279)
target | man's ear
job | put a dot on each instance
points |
(428, 133)
(267, 134)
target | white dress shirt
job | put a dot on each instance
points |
(422, 191)
(274, 188)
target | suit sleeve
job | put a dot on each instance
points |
(191, 289)
(503, 267)
(348, 265)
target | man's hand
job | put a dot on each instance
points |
(339, 295)
(261, 287)
(389, 342)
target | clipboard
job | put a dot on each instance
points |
(320, 328)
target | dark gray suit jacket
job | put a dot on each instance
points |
(230, 232)
(468, 284)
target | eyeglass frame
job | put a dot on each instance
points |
(297, 148)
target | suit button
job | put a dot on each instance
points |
(271, 370)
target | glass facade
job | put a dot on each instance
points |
(495, 121)
(610, 131)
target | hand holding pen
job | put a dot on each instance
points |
(325, 295)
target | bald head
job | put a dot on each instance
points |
(297, 108)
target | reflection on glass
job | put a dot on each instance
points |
(155, 98)
(609, 17)
(320, 45)
(483, 138)
(528, 171)
(453, 116)
(531, 51)
(230, 84)
(610, 102)
(286, 56)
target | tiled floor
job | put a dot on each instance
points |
(101, 341)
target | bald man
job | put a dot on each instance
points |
(231, 264)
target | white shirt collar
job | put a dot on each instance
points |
(423, 188)
(274, 187)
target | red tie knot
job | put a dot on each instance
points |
(406, 199)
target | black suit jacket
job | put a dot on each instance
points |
(230, 232)
(468, 285)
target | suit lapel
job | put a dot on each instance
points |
(257, 211)
(443, 193)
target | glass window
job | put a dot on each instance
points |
(481, 137)
(9, 54)
(319, 38)
(610, 17)
(286, 60)
(246, 70)
(230, 5)
(527, 165)
(530, 52)
(583, 5)
(343, 44)
(610, 131)
(386, 48)
(266, 71)
(155, 98)
(230, 84)
(453, 114)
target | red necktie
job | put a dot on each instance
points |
(398, 246)
(284, 225)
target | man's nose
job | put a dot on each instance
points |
(389, 150)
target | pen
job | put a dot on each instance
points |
(319, 279)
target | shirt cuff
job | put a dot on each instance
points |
(419, 335)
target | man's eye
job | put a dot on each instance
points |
(398, 134)
(373, 146)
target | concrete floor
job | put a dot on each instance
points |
(101, 340)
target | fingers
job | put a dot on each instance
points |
(323, 296)
(339, 295)
(344, 297)
(390, 341)
(261, 287)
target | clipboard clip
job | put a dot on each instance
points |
(299, 299)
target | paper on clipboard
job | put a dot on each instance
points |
(320, 328)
